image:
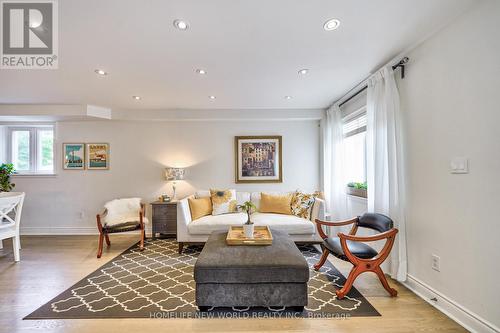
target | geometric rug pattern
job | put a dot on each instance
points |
(158, 283)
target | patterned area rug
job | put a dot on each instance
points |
(158, 283)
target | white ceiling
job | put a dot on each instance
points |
(251, 50)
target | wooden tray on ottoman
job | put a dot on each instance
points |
(261, 236)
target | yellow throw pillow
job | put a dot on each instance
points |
(280, 204)
(200, 207)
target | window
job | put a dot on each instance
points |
(354, 129)
(31, 149)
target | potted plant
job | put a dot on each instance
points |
(357, 189)
(248, 227)
(6, 170)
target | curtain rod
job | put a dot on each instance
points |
(364, 84)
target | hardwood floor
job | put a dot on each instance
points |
(51, 264)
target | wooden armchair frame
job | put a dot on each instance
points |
(104, 235)
(359, 265)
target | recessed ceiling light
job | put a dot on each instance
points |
(181, 25)
(136, 97)
(331, 24)
(288, 97)
(100, 72)
(212, 97)
(303, 71)
(201, 71)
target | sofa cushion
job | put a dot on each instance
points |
(200, 207)
(207, 224)
(290, 224)
(241, 197)
(223, 201)
(255, 197)
(272, 203)
(302, 204)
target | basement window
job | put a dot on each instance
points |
(31, 149)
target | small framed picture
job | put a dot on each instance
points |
(97, 156)
(74, 156)
(258, 159)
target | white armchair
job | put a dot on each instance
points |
(11, 202)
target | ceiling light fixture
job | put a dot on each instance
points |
(100, 72)
(201, 71)
(331, 24)
(303, 71)
(181, 25)
(212, 97)
(288, 97)
(136, 97)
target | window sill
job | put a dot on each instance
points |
(35, 175)
(357, 197)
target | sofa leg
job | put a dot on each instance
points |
(181, 246)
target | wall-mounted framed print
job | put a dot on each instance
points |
(258, 159)
(97, 156)
(73, 156)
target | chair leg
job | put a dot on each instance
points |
(141, 247)
(355, 271)
(1, 244)
(106, 236)
(181, 245)
(99, 249)
(393, 292)
(322, 260)
(19, 242)
(15, 247)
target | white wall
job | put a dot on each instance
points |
(140, 150)
(451, 105)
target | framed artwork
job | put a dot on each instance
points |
(97, 156)
(258, 159)
(73, 156)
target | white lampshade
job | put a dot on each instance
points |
(174, 173)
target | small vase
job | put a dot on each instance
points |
(248, 230)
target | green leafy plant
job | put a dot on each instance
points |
(6, 170)
(247, 208)
(361, 186)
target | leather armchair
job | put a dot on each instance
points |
(352, 248)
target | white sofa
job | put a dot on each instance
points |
(300, 230)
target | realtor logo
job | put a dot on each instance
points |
(29, 34)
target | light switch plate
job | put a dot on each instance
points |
(459, 165)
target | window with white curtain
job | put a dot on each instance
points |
(31, 149)
(354, 130)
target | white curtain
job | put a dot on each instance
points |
(334, 183)
(385, 169)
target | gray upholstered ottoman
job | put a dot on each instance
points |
(251, 276)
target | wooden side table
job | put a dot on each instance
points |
(164, 218)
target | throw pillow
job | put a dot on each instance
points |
(223, 201)
(122, 211)
(302, 204)
(275, 203)
(200, 207)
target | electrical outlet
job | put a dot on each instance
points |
(81, 215)
(436, 263)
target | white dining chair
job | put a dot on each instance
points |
(11, 206)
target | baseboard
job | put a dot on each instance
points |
(452, 309)
(54, 231)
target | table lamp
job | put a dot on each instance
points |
(174, 174)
